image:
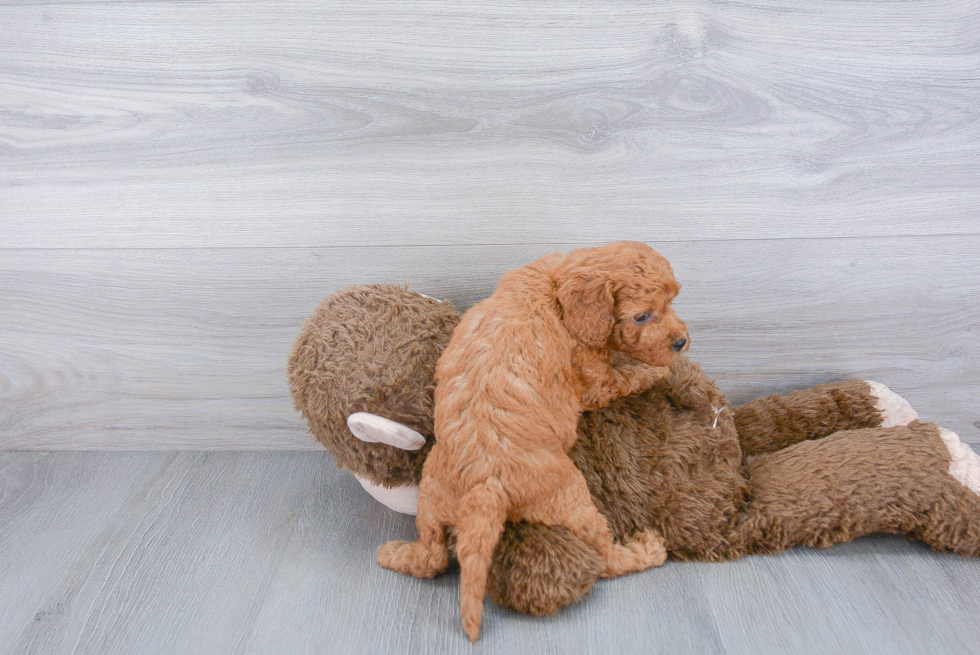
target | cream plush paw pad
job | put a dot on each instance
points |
(964, 464)
(894, 409)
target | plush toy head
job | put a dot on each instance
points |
(371, 348)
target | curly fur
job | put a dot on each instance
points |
(538, 569)
(653, 460)
(810, 467)
(657, 459)
(368, 347)
(510, 387)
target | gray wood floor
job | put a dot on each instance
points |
(273, 553)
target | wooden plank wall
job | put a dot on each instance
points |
(181, 182)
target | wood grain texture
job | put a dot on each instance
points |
(246, 123)
(182, 182)
(175, 348)
(115, 553)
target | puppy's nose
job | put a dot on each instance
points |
(679, 344)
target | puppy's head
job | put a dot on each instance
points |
(618, 296)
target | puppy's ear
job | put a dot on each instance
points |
(587, 303)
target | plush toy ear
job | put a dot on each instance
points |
(587, 302)
(377, 429)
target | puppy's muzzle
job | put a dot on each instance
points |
(680, 344)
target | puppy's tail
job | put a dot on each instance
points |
(480, 522)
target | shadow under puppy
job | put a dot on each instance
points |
(559, 336)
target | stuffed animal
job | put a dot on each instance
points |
(813, 467)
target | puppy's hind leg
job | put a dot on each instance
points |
(644, 550)
(427, 557)
(482, 514)
(572, 507)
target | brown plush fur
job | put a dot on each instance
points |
(810, 467)
(773, 422)
(853, 483)
(525, 559)
(371, 348)
(510, 387)
(653, 460)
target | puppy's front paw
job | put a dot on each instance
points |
(640, 377)
(647, 376)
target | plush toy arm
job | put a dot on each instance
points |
(377, 429)
(773, 422)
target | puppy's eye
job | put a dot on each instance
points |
(643, 318)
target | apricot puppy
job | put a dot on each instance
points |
(559, 336)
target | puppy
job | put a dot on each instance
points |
(561, 335)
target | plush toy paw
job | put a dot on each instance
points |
(964, 464)
(894, 409)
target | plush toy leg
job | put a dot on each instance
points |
(916, 480)
(772, 422)
(538, 569)
(572, 507)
